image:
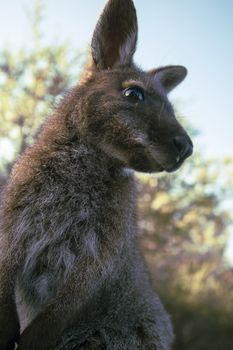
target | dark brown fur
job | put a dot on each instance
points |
(71, 274)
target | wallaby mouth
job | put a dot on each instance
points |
(158, 163)
(180, 160)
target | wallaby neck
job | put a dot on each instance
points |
(59, 140)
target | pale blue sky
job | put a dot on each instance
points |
(195, 33)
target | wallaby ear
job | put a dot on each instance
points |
(115, 36)
(169, 76)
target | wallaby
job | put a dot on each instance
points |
(71, 275)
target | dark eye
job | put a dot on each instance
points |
(134, 92)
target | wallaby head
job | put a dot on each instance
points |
(125, 111)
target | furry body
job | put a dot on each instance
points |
(62, 226)
(71, 274)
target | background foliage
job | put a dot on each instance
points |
(184, 218)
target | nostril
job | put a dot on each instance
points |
(183, 146)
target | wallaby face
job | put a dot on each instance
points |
(129, 116)
(127, 112)
(71, 275)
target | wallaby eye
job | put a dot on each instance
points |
(134, 92)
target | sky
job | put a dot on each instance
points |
(195, 33)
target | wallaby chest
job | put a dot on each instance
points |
(81, 209)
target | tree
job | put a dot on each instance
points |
(31, 81)
(184, 231)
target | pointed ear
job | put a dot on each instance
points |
(169, 76)
(115, 36)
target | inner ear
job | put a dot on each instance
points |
(169, 76)
(115, 36)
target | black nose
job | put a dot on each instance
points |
(184, 146)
